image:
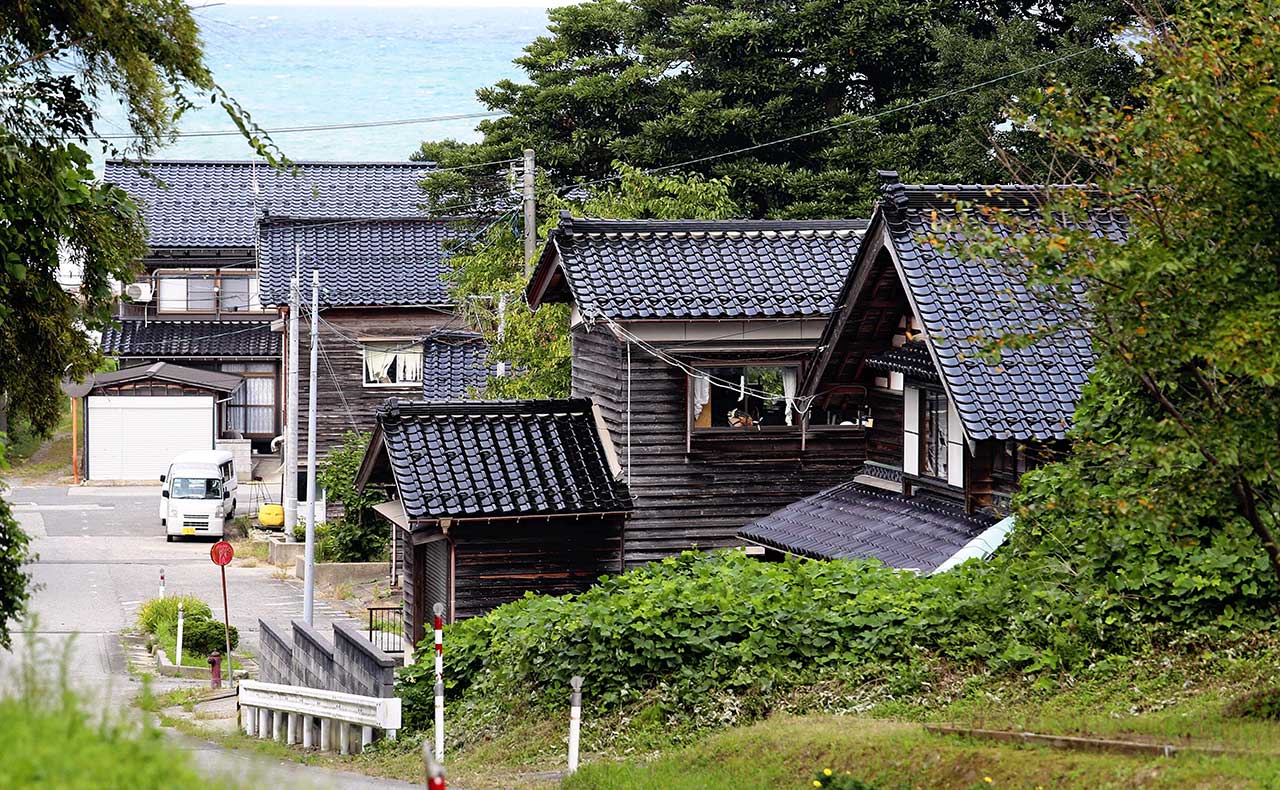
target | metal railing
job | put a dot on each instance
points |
(385, 628)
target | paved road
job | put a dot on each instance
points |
(100, 554)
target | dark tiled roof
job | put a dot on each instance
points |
(453, 365)
(638, 269)
(370, 262)
(468, 459)
(167, 371)
(214, 204)
(192, 339)
(965, 304)
(855, 521)
(911, 359)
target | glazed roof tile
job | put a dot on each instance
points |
(377, 262)
(215, 339)
(856, 521)
(910, 359)
(167, 371)
(453, 366)
(696, 269)
(490, 459)
(217, 203)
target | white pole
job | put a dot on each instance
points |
(162, 582)
(575, 721)
(530, 212)
(308, 591)
(178, 650)
(440, 720)
(502, 329)
(291, 414)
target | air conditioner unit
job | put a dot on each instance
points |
(138, 292)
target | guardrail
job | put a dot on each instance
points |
(384, 629)
(327, 720)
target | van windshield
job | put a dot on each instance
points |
(196, 488)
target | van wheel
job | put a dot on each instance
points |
(168, 538)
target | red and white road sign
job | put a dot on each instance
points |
(221, 553)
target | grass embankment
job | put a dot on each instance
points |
(35, 458)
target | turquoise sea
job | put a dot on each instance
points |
(302, 66)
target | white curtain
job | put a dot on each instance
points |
(409, 366)
(789, 390)
(377, 362)
(700, 389)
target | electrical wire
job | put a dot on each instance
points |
(321, 127)
(842, 124)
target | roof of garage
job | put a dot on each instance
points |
(167, 371)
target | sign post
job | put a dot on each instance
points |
(222, 553)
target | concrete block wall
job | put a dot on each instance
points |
(351, 664)
(361, 668)
(275, 662)
(312, 658)
(242, 449)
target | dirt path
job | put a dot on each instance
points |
(50, 464)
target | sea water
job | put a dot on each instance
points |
(314, 65)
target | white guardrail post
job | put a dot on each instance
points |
(265, 707)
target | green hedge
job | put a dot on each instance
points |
(157, 610)
(201, 633)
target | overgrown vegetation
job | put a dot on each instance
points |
(52, 740)
(201, 633)
(357, 536)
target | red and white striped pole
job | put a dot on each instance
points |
(435, 771)
(439, 611)
(162, 582)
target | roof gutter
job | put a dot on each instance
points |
(981, 547)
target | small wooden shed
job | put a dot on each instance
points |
(492, 499)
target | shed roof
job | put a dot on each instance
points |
(374, 262)
(498, 459)
(912, 359)
(453, 364)
(209, 203)
(167, 371)
(213, 339)
(696, 269)
(856, 521)
(966, 303)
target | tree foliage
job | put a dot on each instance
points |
(535, 346)
(653, 83)
(1177, 440)
(356, 537)
(58, 61)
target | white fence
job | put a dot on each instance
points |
(328, 720)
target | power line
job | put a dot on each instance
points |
(850, 122)
(321, 127)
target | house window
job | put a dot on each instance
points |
(392, 364)
(933, 434)
(251, 409)
(743, 397)
(211, 292)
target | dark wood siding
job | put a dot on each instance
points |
(498, 562)
(342, 401)
(700, 497)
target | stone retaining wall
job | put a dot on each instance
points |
(351, 664)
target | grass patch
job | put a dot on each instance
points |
(787, 751)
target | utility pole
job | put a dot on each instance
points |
(309, 577)
(502, 330)
(291, 412)
(530, 213)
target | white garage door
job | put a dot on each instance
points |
(135, 438)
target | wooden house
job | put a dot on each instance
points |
(692, 338)
(952, 428)
(493, 499)
(198, 301)
(387, 325)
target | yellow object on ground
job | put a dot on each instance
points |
(271, 515)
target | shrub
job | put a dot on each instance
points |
(1258, 704)
(836, 781)
(158, 610)
(202, 637)
(357, 536)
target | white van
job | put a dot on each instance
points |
(199, 494)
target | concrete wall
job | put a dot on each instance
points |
(350, 664)
(242, 449)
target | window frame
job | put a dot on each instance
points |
(928, 426)
(158, 276)
(727, 430)
(366, 343)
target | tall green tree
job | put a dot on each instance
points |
(59, 59)
(1177, 439)
(658, 82)
(489, 274)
